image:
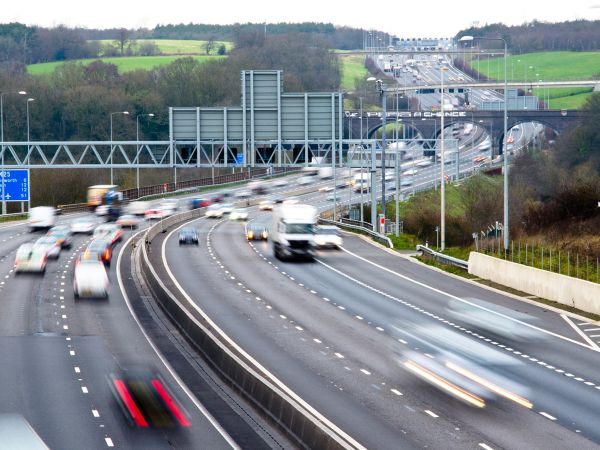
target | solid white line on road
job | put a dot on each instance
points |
(580, 333)
(462, 300)
(432, 414)
(160, 356)
(547, 416)
(485, 446)
(366, 372)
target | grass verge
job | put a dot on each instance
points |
(13, 218)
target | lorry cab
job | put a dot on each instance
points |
(293, 231)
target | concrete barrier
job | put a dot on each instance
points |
(287, 410)
(569, 291)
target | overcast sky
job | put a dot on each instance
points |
(401, 18)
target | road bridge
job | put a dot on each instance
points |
(428, 123)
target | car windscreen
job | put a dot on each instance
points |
(299, 228)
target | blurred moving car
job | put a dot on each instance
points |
(110, 231)
(30, 258)
(303, 181)
(257, 233)
(199, 203)
(238, 214)
(494, 319)
(226, 208)
(154, 214)
(243, 193)
(280, 182)
(50, 245)
(128, 220)
(326, 188)
(16, 433)
(290, 201)
(101, 210)
(41, 217)
(169, 207)
(328, 236)
(62, 234)
(266, 205)
(214, 211)
(463, 367)
(98, 250)
(90, 279)
(188, 236)
(84, 225)
(138, 208)
(146, 400)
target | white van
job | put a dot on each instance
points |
(41, 217)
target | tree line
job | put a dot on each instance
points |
(21, 44)
(75, 101)
(536, 36)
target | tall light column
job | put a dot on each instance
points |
(442, 181)
(505, 225)
(125, 113)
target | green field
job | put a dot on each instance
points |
(125, 64)
(352, 67)
(175, 46)
(547, 66)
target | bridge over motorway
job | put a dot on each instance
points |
(428, 123)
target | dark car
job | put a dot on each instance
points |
(100, 249)
(257, 233)
(63, 235)
(146, 400)
(188, 236)
(199, 203)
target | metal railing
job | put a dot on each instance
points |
(376, 236)
(442, 258)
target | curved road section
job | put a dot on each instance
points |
(336, 332)
(58, 354)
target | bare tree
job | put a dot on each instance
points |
(210, 45)
(123, 37)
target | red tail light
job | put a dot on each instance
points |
(107, 254)
(133, 409)
(164, 395)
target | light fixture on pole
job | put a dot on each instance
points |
(505, 227)
(2, 139)
(137, 138)
(442, 163)
(125, 113)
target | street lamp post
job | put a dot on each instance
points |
(2, 139)
(125, 113)
(362, 218)
(137, 138)
(505, 230)
(29, 100)
(442, 181)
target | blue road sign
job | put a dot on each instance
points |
(14, 185)
(239, 158)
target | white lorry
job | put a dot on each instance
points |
(293, 231)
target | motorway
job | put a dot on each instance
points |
(334, 331)
(58, 353)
